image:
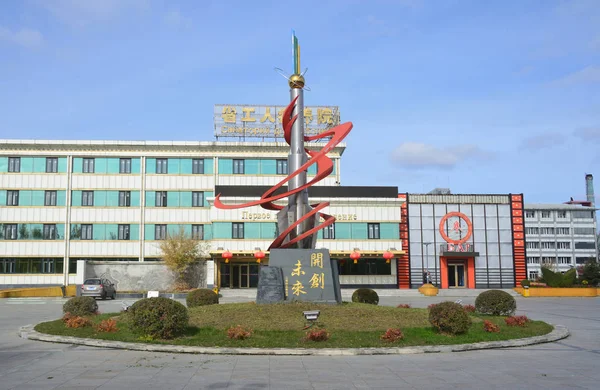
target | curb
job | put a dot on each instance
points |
(559, 332)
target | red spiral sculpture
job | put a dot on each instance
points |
(324, 169)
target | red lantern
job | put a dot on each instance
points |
(387, 255)
(227, 255)
(259, 256)
(355, 256)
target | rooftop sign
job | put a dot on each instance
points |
(252, 121)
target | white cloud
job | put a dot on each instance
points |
(176, 19)
(588, 134)
(24, 37)
(542, 141)
(419, 155)
(590, 74)
(80, 13)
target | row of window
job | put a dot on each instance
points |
(161, 199)
(560, 214)
(548, 230)
(35, 266)
(13, 231)
(12, 197)
(160, 232)
(14, 164)
(559, 245)
(550, 260)
(86, 232)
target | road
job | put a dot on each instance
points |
(570, 363)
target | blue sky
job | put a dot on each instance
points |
(478, 96)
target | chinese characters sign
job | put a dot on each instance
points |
(265, 121)
(456, 228)
(309, 274)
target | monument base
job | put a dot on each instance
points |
(305, 275)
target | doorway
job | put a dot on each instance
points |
(456, 275)
(239, 275)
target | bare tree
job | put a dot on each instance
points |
(180, 252)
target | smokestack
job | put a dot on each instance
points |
(589, 188)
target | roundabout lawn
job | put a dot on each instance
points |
(351, 325)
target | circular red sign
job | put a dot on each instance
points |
(456, 226)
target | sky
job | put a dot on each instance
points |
(477, 96)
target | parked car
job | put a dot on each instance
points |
(98, 288)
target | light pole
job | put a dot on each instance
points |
(427, 260)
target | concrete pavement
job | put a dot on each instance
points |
(570, 363)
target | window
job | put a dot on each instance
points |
(564, 260)
(532, 230)
(49, 232)
(237, 230)
(12, 198)
(548, 260)
(161, 199)
(533, 245)
(197, 199)
(7, 266)
(198, 232)
(583, 260)
(561, 214)
(88, 165)
(365, 267)
(563, 245)
(533, 275)
(161, 165)
(545, 214)
(548, 244)
(48, 266)
(87, 198)
(51, 164)
(124, 232)
(14, 164)
(10, 231)
(584, 231)
(160, 232)
(238, 167)
(529, 214)
(547, 230)
(282, 167)
(198, 166)
(583, 214)
(373, 230)
(585, 245)
(49, 198)
(562, 230)
(125, 165)
(329, 232)
(533, 260)
(124, 198)
(87, 232)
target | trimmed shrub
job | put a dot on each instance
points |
(107, 326)
(556, 279)
(201, 297)
(496, 303)
(403, 306)
(160, 317)
(469, 308)
(525, 283)
(239, 333)
(77, 322)
(516, 320)
(490, 327)
(450, 318)
(591, 272)
(365, 295)
(392, 335)
(81, 306)
(317, 335)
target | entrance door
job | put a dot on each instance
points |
(456, 275)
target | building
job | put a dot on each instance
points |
(463, 241)
(62, 202)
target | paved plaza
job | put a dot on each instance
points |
(570, 363)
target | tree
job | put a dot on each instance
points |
(591, 272)
(180, 252)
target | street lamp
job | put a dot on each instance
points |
(427, 257)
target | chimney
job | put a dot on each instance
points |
(589, 188)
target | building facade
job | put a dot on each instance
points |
(64, 201)
(561, 236)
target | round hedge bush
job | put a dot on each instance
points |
(450, 318)
(160, 317)
(365, 295)
(496, 303)
(201, 297)
(81, 306)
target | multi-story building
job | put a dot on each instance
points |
(562, 236)
(64, 201)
